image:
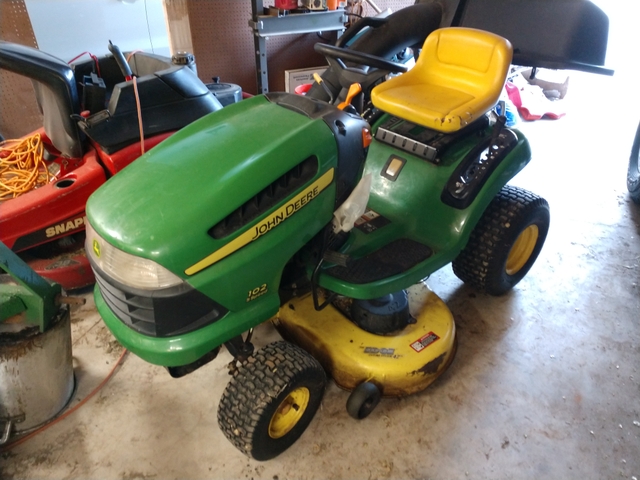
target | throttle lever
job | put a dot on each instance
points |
(497, 129)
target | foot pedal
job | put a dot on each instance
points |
(392, 259)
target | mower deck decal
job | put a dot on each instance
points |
(424, 342)
(272, 221)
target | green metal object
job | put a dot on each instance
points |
(418, 189)
(199, 167)
(28, 293)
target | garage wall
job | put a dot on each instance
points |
(19, 112)
(222, 42)
(89, 25)
(216, 31)
(66, 28)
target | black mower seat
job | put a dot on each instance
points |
(170, 99)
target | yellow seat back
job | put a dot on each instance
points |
(457, 78)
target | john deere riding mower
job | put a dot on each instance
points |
(291, 209)
(288, 208)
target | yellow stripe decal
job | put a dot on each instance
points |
(273, 220)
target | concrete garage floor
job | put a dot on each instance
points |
(545, 384)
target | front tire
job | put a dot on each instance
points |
(633, 172)
(505, 243)
(267, 406)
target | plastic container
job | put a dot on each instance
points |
(185, 58)
(226, 93)
(36, 376)
(286, 4)
(303, 89)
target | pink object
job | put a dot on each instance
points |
(286, 4)
(532, 104)
(302, 89)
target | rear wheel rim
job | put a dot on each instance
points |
(522, 249)
(289, 412)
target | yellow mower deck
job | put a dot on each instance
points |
(398, 364)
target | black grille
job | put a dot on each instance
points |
(159, 313)
(266, 198)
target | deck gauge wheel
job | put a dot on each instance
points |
(363, 399)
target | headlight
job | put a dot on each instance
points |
(125, 268)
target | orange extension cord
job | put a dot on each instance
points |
(21, 166)
(138, 107)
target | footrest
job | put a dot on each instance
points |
(392, 259)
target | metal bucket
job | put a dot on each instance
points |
(36, 376)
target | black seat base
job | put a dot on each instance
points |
(422, 141)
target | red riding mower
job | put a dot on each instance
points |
(91, 131)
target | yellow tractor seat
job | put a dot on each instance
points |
(457, 79)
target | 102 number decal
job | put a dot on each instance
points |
(257, 292)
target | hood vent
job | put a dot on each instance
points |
(266, 199)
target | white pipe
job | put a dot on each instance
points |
(374, 6)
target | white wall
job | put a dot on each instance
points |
(623, 44)
(66, 28)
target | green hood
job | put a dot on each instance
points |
(162, 205)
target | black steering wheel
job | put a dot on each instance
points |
(344, 54)
(373, 69)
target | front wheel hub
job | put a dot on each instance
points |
(289, 412)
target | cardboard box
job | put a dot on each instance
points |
(294, 78)
(554, 83)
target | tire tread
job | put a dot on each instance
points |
(258, 381)
(476, 264)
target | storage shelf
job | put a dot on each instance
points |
(265, 26)
(298, 23)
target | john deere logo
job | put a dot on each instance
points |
(96, 248)
(270, 222)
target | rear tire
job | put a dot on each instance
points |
(505, 243)
(267, 406)
(633, 172)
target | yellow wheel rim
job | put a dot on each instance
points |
(522, 249)
(289, 412)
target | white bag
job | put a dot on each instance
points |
(353, 207)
